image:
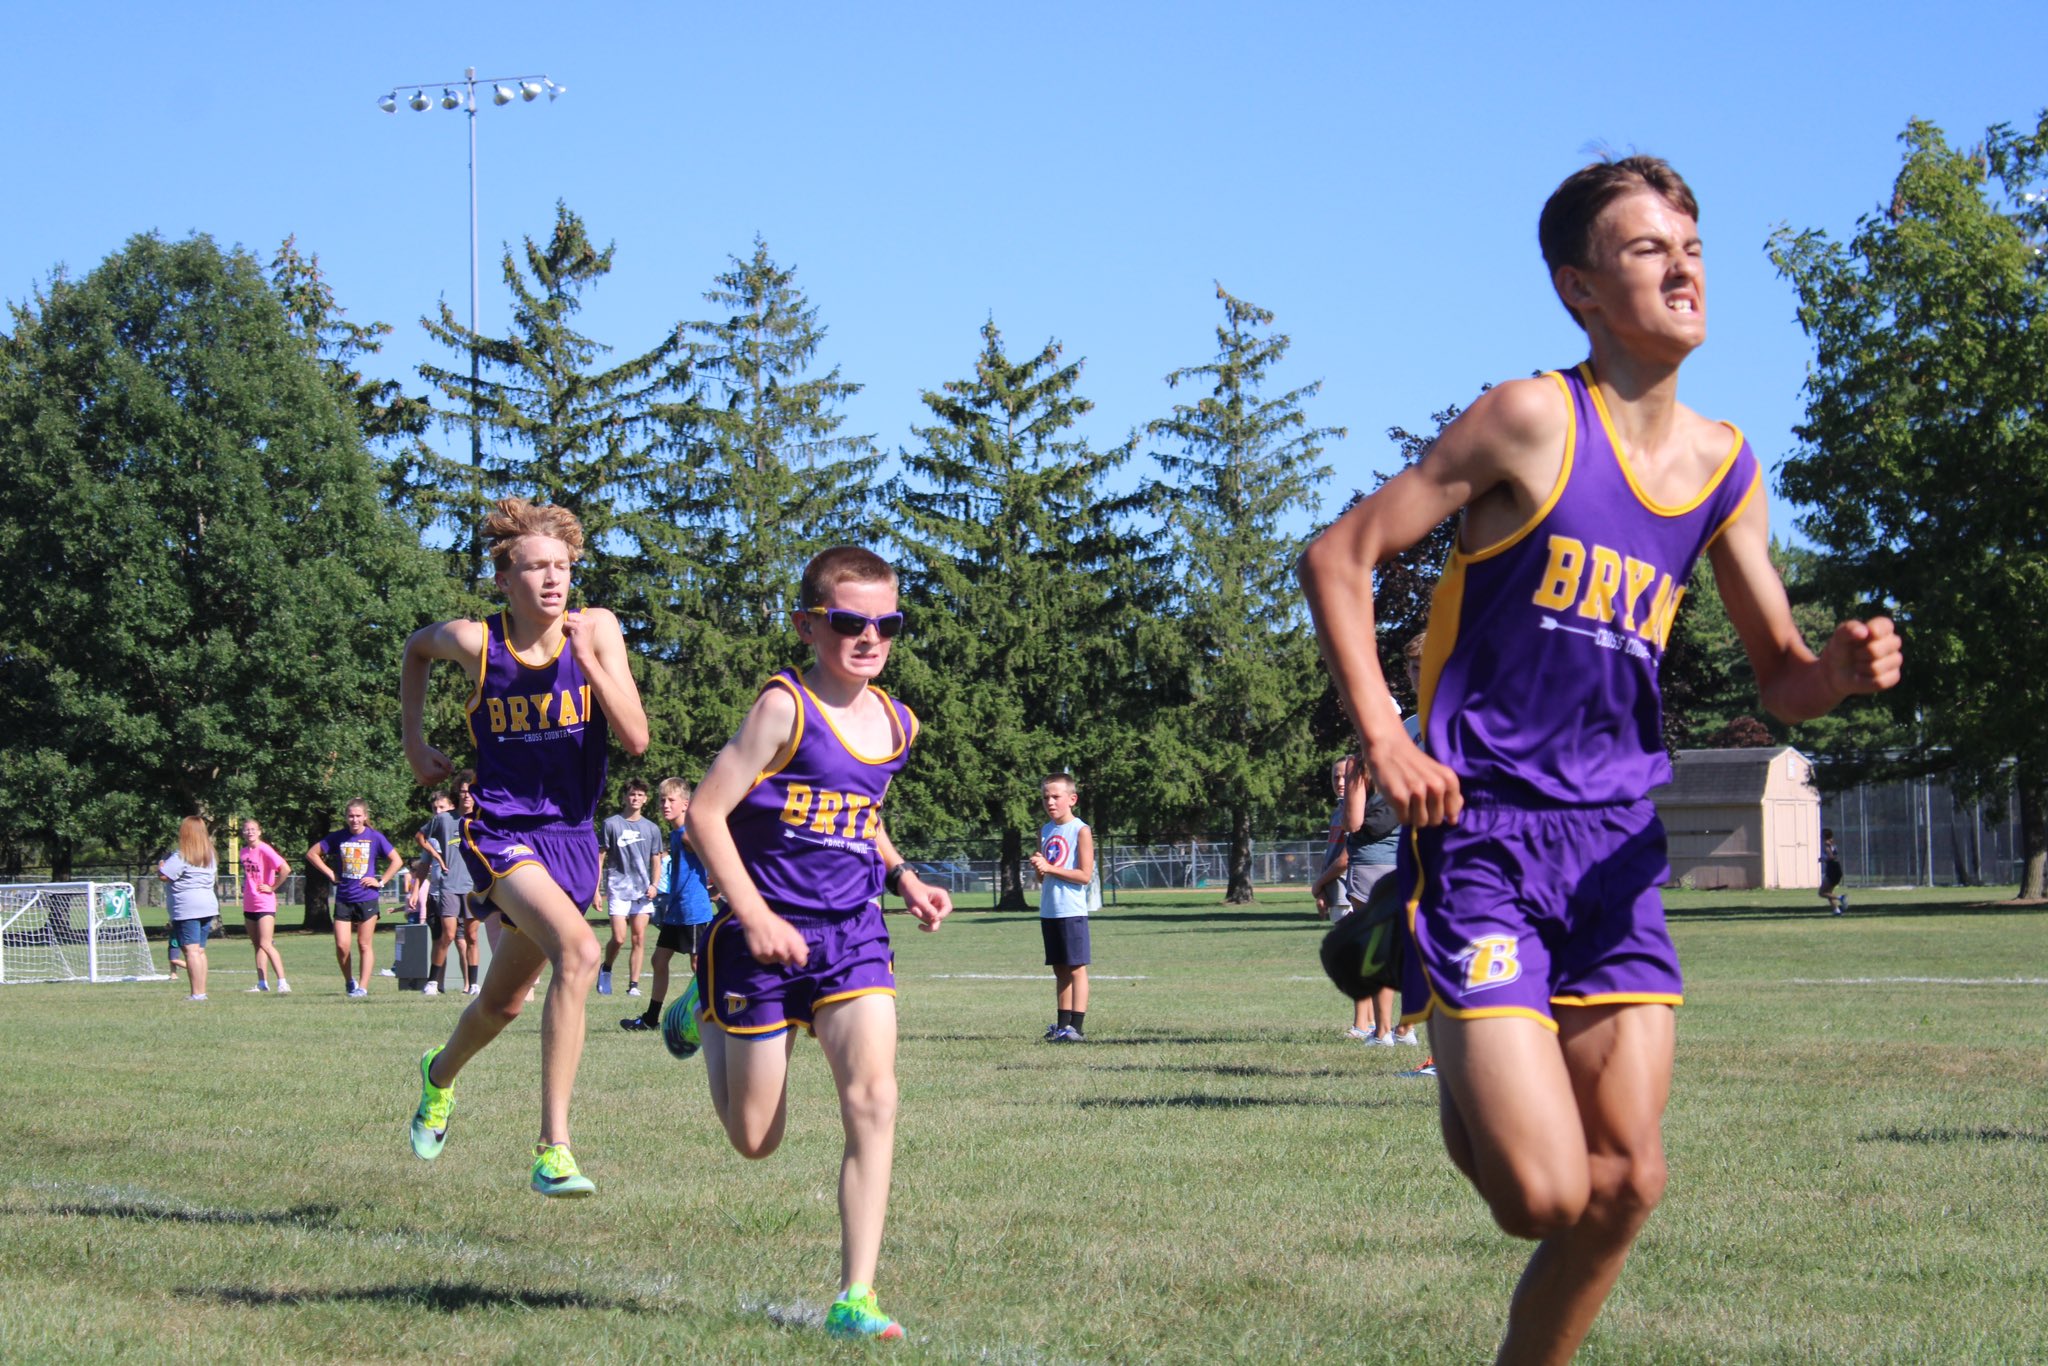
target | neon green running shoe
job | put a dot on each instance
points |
(430, 1121)
(856, 1315)
(679, 1024)
(555, 1173)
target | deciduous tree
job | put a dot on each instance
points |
(1925, 449)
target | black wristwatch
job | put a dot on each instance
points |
(893, 879)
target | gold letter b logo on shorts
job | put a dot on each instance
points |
(1490, 961)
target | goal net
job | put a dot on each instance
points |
(73, 932)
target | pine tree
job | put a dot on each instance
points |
(759, 479)
(1011, 543)
(557, 429)
(1240, 464)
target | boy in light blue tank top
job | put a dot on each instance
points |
(1065, 864)
(789, 824)
(1533, 857)
(552, 688)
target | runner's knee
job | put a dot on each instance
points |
(1625, 1188)
(869, 1104)
(1536, 1205)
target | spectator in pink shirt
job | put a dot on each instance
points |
(263, 871)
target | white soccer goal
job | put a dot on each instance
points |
(73, 932)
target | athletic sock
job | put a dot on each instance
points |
(469, 975)
(1065, 1018)
(653, 1015)
(1078, 1016)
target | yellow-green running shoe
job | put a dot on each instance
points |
(555, 1173)
(430, 1121)
(679, 1024)
(856, 1315)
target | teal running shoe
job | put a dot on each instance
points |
(856, 1315)
(430, 1121)
(555, 1173)
(679, 1024)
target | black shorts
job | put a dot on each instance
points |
(1834, 875)
(354, 912)
(674, 938)
(1066, 941)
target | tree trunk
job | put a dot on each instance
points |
(319, 896)
(1240, 858)
(2033, 831)
(1010, 876)
(62, 852)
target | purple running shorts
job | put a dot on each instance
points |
(1516, 910)
(849, 957)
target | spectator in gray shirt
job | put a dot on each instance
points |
(190, 871)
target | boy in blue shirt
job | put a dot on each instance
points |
(685, 907)
(1065, 863)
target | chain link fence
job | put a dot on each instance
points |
(1913, 833)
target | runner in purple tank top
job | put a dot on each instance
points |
(552, 686)
(789, 824)
(1537, 946)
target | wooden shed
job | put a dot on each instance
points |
(1742, 818)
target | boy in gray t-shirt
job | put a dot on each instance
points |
(628, 866)
(446, 892)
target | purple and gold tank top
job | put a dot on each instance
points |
(806, 830)
(540, 737)
(1539, 678)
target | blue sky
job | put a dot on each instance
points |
(1079, 172)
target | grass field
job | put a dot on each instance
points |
(1858, 1140)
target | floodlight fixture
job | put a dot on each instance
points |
(389, 104)
(450, 100)
(502, 94)
(530, 91)
(555, 92)
(419, 101)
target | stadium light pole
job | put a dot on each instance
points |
(504, 90)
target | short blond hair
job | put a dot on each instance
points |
(512, 519)
(674, 787)
(195, 845)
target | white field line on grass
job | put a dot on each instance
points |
(1026, 977)
(1918, 981)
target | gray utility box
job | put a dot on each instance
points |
(415, 956)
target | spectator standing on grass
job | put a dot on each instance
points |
(446, 895)
(1831, 873)
(684, 908)
(1411, 661)
(349, 858)
(1328, 887)
(263, 872)
(189, 873)
(628, 865)
(1065, 863)
(1331, 902)
(1372, 841)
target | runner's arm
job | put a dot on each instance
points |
(1496, 449)
(458, 642)
(764, 736)
(600, 648)
(1794, 683)
(928, 904)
